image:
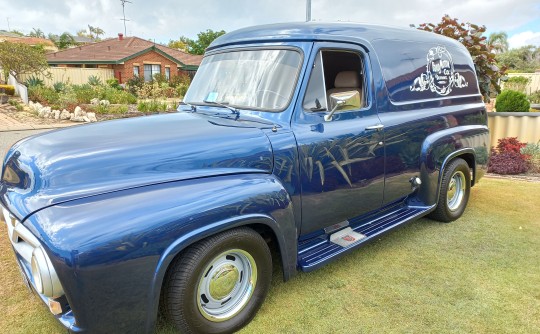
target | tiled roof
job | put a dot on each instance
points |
(114, 50)
(27, 40)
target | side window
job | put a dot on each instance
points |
(336, 73)
(315, 98)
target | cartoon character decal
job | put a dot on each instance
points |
(440, 76)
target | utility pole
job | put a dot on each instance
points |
(9, 29)
(124, 12)
(308, 10)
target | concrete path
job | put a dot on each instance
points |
(11, 124)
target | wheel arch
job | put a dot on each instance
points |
(440, 148)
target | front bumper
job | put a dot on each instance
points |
(23, 243)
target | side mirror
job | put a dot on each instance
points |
(343, 101)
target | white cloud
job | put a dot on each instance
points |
(524, 38)
(167, 19)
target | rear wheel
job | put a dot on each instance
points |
(218, 284)
(454, 192)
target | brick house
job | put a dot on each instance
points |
(128, 57)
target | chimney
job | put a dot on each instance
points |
(120, 36)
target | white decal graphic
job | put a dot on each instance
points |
(440, 76)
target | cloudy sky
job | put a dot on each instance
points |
(163, 20)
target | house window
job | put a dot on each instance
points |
(167, 73)
(136, 71)
(150, 71)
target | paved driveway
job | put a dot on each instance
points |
(8, 138)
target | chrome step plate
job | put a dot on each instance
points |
(346, 237)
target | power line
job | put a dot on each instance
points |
(124, 12)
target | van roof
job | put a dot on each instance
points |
(319, 31)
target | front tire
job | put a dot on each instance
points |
(454, 192)
(218, 284)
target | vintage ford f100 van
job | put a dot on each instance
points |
(309, 138)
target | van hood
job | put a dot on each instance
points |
(92, 159)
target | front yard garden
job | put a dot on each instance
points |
(480, 274)
(106, 100)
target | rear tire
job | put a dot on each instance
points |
(218, 284)
(454, 192)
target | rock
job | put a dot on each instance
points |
(86, 119)
(44, 112)
(94, 101)
(104, 103)
(56, 114)
(65, 114)
(36, 107)
(75, 118)
(91, 116)
(79, 112)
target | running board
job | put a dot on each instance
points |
(316, 252)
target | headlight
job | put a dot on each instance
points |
(44, 276)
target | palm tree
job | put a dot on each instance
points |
(36, 32)
(498, 42)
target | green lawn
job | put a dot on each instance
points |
(480, 274)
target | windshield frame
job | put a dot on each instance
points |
(259, 48)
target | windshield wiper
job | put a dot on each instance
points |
(192, 107)
(224, 105)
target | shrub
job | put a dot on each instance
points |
(33, 81)
(517, 84)
(113, 83)
(110, 109)
(160, 78)
(535, 97)
(182, 79)
(181, 90)
(84, 93)
(16, 105)
(510, 101)
(7, 89)
(147, 106)
(533, 152)
(43, 95)
(59, 86)
(510, 144)
(134, 84)
(507, 163)
(94, 80)
(507, 157)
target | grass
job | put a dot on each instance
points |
(480, 274)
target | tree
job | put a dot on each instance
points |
(181, 44)
(95, 32)
(196, 47)
(18, 59)
(524, 59)
(471, 36)
(36, 32)
(498, 42)
(63, 41)
(204, 39)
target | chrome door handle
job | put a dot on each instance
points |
(377, 127)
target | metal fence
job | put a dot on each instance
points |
(73, 75)
(523, 125)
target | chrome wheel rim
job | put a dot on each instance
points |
(226, 285)
(456, 191)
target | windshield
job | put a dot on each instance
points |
(251, 79)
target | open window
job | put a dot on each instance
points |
(336, 75)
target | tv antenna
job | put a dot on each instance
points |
(124, 12)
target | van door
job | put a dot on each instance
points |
(341, 159)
